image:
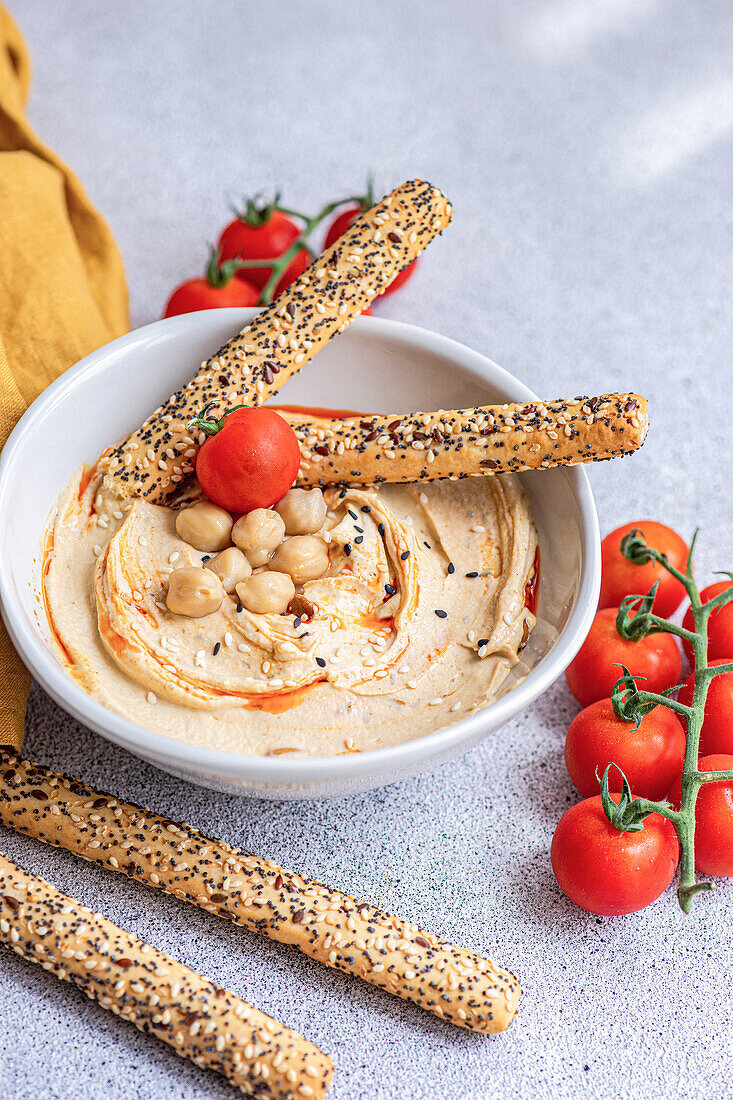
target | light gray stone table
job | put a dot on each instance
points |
(586, 145)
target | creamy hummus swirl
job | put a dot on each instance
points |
(419, 618)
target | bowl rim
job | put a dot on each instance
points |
(266, 770)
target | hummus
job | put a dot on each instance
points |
(419, 619)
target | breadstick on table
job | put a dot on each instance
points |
(355, 937)
(466, 442)
(254, 365)
(158, 994)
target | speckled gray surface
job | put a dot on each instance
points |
(586, 145)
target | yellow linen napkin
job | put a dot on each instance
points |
(62, 290)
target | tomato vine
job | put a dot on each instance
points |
(280, 264)
(635, 620)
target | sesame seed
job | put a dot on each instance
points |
(440, 613)
(320, 662)
(451, 567)
(151, 697)
(217, 647)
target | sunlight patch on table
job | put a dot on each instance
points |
(674, 132)
(565, 27)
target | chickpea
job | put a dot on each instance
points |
(205, 526)
(302, 557)
(303, 510)
(266, 593)
(258, 535)
(194, 592)
(231, 567)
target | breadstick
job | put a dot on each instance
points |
(325, 924)
(158, 994)
(274, 346)
(466, 442)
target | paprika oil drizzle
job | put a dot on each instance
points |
(532, 587)
(316, 412)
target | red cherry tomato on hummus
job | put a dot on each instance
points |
(713, 817)
(609, 872)
(720, 625)
(717, 726)
(261, 233)
(620, 577)
(650, 756)
(338, 227)
(596, 667)
(251, 462)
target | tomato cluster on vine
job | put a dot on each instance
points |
(262, 241)
(608, 868)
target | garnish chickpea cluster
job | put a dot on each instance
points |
(260, 560)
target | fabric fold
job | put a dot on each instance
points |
(62, 289)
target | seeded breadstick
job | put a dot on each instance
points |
(325, 924)
(158, 994)
(275, 345)
(466, 442)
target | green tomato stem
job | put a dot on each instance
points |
(722, 597)
(714, 777)
(665, 701)
(280, 264)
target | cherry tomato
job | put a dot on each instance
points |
(609, 872)
(338, 227)
(251, 462)
(713, 817)
(263, 234)
(720, 625)
(197, 294)
(650, 757)
(717, 726)
(620, 577)
(596, 667)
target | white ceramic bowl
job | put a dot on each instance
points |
(376, 365)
